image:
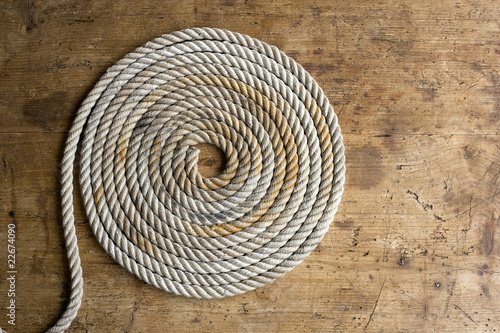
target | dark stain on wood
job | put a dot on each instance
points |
(469, 152)
(428, 90)
(488, 237)
(344, 223)
(48, 112)
(368, 172)
(43, 202)
(316, 11)
(28, 15)
(485, 291)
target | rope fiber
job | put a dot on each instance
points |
(146, 202)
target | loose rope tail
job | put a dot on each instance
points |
(75, 266)
(146, 202)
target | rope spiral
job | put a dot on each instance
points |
(148, 205)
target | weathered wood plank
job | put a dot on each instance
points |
(394, 68)
(434, 208)
(416, 87)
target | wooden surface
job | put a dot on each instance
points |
(415, 243)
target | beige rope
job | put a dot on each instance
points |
(147, 204)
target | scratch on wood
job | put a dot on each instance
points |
(466, 230)
(465, 313)
(346, 104)
(362, 18)
(495, 177)
(133, 314)
(484, 175)
(470, 207)
(331, 242)
(450, 294)
(387, 232)
(468, 210)
(376, 303)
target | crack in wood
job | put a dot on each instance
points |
(376, 303)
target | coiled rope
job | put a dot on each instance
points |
(148, 205)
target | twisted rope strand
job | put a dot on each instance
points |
(148, 205)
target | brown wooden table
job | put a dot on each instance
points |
(415, 243)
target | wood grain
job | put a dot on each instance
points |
(414, 245)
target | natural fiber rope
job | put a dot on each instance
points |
(146, 202)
